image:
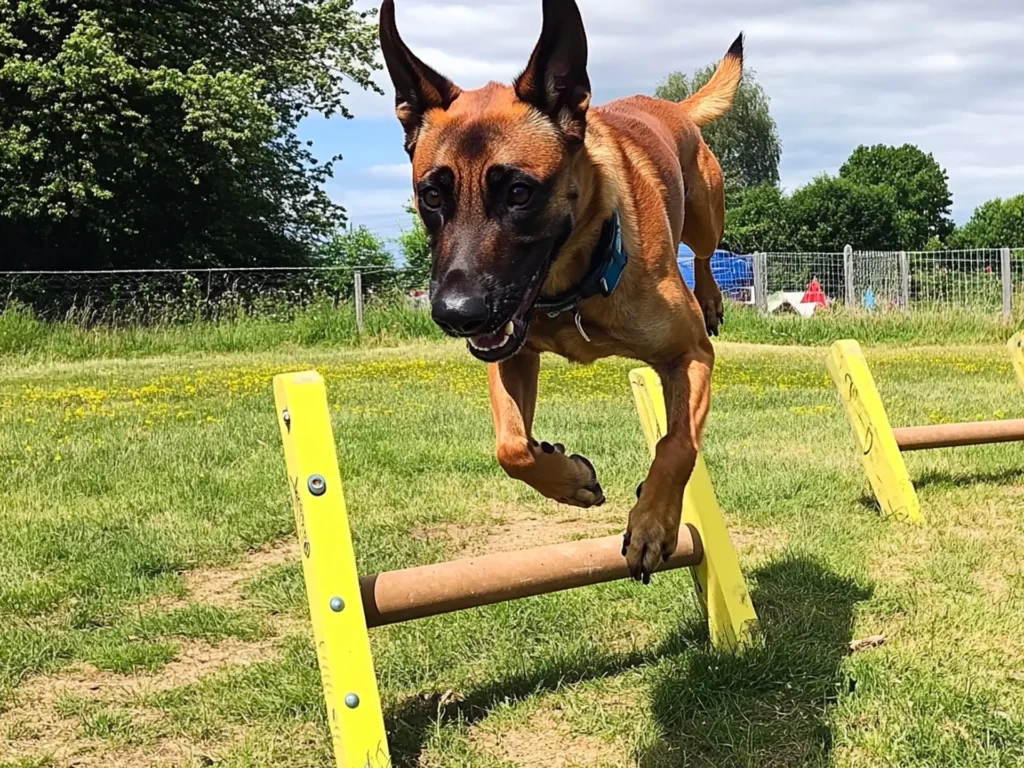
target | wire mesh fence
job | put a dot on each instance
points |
(144, 297)
(986, 280)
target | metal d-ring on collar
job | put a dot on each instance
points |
(607, 263)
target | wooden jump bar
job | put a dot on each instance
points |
(429, 590)
(951, 435)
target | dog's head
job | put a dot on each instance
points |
(492, 176)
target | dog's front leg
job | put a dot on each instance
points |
(543, 466)
(654, 521)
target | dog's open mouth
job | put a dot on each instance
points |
(509, 339)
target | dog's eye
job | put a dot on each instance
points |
(519, 195)
(431, 198)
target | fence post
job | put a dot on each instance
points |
(359, 300)
(761, 282)
(851, 298)
(905, 280)
(1004, 259)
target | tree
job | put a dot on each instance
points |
(416, 252)
(163, 134)
(831, 212)
(759, 221)
(745, 140)
(997, 223)
(360, 249)
(920, 186)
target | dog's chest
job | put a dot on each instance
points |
(563, 337)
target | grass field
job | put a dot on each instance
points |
(152, 609)
(325, 326)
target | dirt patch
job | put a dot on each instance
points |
(222, 587)
(757, 543)
(508, 529)
(549, 742)
(36, 725)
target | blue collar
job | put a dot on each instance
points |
(607, 263)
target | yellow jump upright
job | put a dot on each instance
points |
(718, 580)
(329, 568)
(1016, 347)
(876, 442)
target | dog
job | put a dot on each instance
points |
(554, 227)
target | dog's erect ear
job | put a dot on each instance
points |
(418, 88)
(555, 81)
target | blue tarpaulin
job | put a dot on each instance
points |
(732, 272)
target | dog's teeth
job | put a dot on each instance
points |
(510, 328)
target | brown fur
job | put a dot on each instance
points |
(641, 156)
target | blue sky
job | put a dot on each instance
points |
(944, 75)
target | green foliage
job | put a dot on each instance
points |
(416, 250)
(997, 223)
(759, 221)
(825, 215)
(832, 212)
(360, 249)
(920, 186)
(163, 134)
(745, 140)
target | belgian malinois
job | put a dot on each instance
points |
(554, 227)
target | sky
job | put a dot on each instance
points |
(946, 75)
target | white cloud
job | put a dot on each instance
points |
(392, 171)
(942, 74)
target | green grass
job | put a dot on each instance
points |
(389, 324)
(123, 477)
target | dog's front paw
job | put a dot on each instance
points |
(579, 486)
(568, 479)
(651, 537)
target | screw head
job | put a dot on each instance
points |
(317, 485)
(337, 604)
(351, 701)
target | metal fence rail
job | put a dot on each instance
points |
(989, 280)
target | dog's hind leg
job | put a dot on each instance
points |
(703, 227)
(654, 521)
(569, 479)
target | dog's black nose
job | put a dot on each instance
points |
(460, 314)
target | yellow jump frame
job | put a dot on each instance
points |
(1016, 348)
(332, 582)
(876, 443)
(881, 447)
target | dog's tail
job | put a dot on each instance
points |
(715, 98)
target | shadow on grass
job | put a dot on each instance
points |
(766, 708)
(962, 479)
(949, 479)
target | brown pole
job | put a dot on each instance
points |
(950, 435)
(429, 590)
